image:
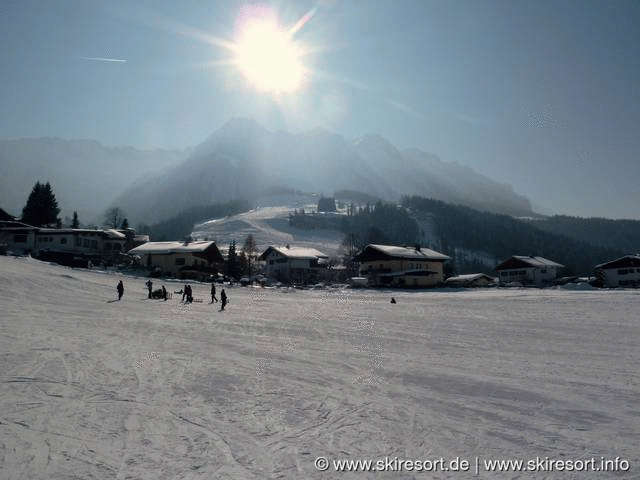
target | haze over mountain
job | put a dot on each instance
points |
(85, 175)
(245, 160)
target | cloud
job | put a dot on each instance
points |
(103, 59)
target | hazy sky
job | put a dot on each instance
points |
(544, 95)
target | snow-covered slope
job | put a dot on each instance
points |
(269, 226)
(95, 388)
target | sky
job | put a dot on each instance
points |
(543, 95)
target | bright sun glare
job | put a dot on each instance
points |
(269, 57)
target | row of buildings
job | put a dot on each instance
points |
(379, 265)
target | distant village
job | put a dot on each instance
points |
(374, 265)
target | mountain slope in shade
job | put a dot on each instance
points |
(243, 159)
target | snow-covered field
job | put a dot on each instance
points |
(145, 389)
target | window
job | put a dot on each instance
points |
(543, 270)
(622, 271)
(180, 261)
(94, 244)
(85, 243)
(63, 240)
(78, 242)
(107, 247)
(20, 238)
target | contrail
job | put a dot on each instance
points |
(103, 59)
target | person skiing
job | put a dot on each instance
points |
(164, 293)
(223, 299)
(149, 285)
(120, 289)
(185, 292)
(213, 293)
(189, 294)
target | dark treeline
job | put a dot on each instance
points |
(616, 234)
(181, 226)
(502, 236)
(382, 223)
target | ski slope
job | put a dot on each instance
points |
(270, 226)
(94, 388)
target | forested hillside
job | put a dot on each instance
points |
(181, 225)
(621, 235)
(500, 236)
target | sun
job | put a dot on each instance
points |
(268, 56)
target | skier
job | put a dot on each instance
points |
(189, 293)
(213, 293)
(164, 293)
(223, 299)
(149, 285)
(185, 291)
(120, 289)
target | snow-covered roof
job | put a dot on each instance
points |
(470, 277)
(158, 248)
(622, 262)
(410, 253)
(296, 252)
(110, 232)
(520, 261)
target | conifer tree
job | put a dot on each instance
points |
(41, 208)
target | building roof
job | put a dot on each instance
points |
(522, 261)
(374, 252)
(110, 233)
(13, 225)
(165, 248)
(470, 277)
(622, 262)
(295, 252)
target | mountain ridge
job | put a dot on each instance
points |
(242, 159)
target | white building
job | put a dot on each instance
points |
(80, 241)
(17, 237)
(395, 266)
(183, 259)
(528, 270)
(294, 264)
(623, 272)
(471, 280)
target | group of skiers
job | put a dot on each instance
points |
(187, 293)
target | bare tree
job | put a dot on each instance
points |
(113, 217)
(250, 250)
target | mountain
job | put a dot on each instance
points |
(243, 160)
(85, 175)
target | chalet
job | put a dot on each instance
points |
(294, 264)
(184, 259)
(78, 246)
(471, 280)
(528, 270)
(623, 272)
(387, 265)
(17, 237)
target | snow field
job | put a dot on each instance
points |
(146, 389)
